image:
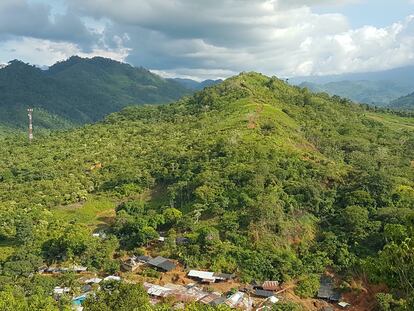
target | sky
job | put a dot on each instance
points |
(203, 39)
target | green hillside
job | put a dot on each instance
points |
(379, 93)
(78, 91)
(403, 103)
(266, 180)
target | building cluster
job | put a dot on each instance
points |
(192, 293)
(258, 295)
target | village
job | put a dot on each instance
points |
(164, 278)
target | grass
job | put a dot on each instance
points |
(96, 212)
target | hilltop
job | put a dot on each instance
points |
(263, 179)
(77, 91)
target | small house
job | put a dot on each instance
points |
(112, 278)
(79, 269)
(143, 259)
(162, 263)
(156, 290)
(270, 285)
(131, 265)
(263, 293)
(223, 276)
(61, 290)
(202, 276)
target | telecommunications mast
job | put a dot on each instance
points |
(30, 114)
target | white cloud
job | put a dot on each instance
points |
(217, 38)
(46, 52)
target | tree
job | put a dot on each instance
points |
(172, 216)
(307, 286)
(118, 296)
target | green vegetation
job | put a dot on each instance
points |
(265, 180)
(77, 91)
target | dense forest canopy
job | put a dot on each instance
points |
(77, 91)
(265, 180)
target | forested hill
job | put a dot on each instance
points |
(403, 103)
(78, 90)
(264, 180)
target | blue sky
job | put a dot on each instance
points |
(216, 38)
(378, 13)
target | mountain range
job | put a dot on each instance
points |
(376, 88)
(195, 85)
(404, 103)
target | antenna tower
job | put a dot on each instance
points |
(30, 114)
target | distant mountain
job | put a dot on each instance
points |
(78, 90)
(403, 75)
(195, 85)
(379, 87)
(403, 103)
(379, 93)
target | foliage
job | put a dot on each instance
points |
(308, 286)
(262, 179)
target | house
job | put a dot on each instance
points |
(78, 269)
(202, 276)
(234, 299)
(61, 290)
(223, 276)
(156, 290)
(327, 289)
(270, 285)
(131, 264)
(209, 277)
(208, 299)
(162, 263)
(143, 259)
(112, 278)
(263, 293)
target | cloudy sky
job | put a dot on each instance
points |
(214, 38)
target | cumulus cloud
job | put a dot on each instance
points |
(216, 38)
(47, 52)
(27, 19)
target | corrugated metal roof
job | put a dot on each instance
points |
(162, 263)
(263, 293)
(201, 274)
(270, 285)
